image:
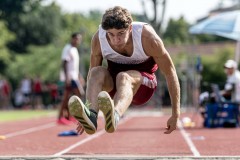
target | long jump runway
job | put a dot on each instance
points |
(140, 134)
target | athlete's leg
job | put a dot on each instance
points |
(64, 111)
(99, 79)
(63, 114)
(76, 88)
(127, 84)
(68, 90)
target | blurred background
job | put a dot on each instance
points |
(34, 32)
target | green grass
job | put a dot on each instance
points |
(14, 115)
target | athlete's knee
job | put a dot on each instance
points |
(98, 72)
(123, 77)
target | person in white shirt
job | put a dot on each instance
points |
(26, 89)
(232, 86)
(70, 75)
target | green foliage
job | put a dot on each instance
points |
(31, 22)
(39, 27)
(180, 61)
(10, 9)
(6, 35)
(44, 61)
(5, 55)
(213, 71)
(40, 33)
(176, 32)
(87, 25)
(209, 38)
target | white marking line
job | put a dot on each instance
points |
(30, 130)
(89, 138)
(144, 114)
(188, 140)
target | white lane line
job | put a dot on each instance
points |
(188, 140)
(89, 138)
(30, 130)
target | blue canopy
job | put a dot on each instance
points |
(226, 24)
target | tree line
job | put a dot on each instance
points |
(33, 35)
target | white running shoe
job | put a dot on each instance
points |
(87, 117)
(106, 105)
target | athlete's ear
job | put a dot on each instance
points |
(130, 27)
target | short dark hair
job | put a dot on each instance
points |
(75, 34)
(117, 18)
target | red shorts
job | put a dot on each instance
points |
(146, 68)
(143, 94)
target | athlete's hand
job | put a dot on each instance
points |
(171, 124)
(80, 129)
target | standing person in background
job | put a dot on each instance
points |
(134, 52)
(232, 86)
(5, 94)
(18, 98)
(53, 89)
(26, 89)
(70, 75)
(37, 93)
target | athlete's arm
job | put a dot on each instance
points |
(96, 54)
(153, 46)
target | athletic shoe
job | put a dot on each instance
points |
(106, 105)
(64, 121)
(87, 118)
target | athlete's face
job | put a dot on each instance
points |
(118, 37)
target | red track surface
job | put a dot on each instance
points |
(140, 134)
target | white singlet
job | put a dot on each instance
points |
(138, 55)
